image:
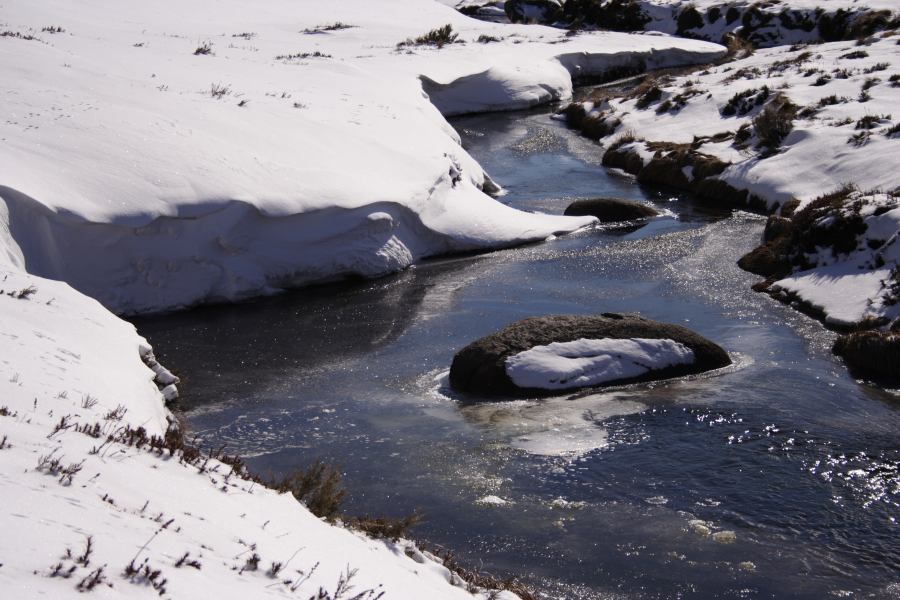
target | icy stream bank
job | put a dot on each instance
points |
(153, 176)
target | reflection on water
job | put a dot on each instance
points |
(775, 478)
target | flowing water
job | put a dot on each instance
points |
(775, 478)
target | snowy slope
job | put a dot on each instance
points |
(68, 362)
(151, 177)
(857, 281)
(704, 132)
(764, 24)
(846, 106)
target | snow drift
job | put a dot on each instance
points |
(211, 152)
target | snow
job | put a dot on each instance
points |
(664, 13)
(818, 156)
(586, 362)
(841, 291)
(122, 173)
(492, 500)
(854, 287)
(663, 17)
(67, 357)
(845, 138)
(561, 426)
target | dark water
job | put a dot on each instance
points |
(777, 478)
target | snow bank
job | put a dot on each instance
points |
(844, 294)
(161, 156)
(67, 366)
(845, 98)
(763, 24)
(857, 284)
(583, 362)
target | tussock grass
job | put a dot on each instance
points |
(743, 102)
(338, 26)
(204, 49)
(318, 487)
(302, 55)
(218, 90)
(386, 527)
(774, 122)
(438, 37)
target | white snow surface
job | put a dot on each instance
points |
(818, 156)
(64, 356)
(122, 173)
(586, 362)
(850, 139)
(853, 287)
(843, 292)
(664, 16)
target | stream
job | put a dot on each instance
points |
(774, 478)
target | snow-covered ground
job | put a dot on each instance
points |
(844, 129)
(764, 24)
(161, 155)
(855, 281)
(834, 109)
(67, 366)
(588, 362)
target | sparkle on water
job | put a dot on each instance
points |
(776, 477)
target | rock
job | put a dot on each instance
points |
(772, 258)
(766, 262)
(598, 125)
(777, 227)
(574, 114)
(480, 367)
(170, 393)
(724, 537)
(700, 527)
(875, 352)
(533, 11)
(492, 501)
(610, 210)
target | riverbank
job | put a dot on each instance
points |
(160, 164)
(99, 496)
(763, 24)
(780, 131)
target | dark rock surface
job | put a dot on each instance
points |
(871, 352)
(611, 210)
(480, 367)
(523, 11)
